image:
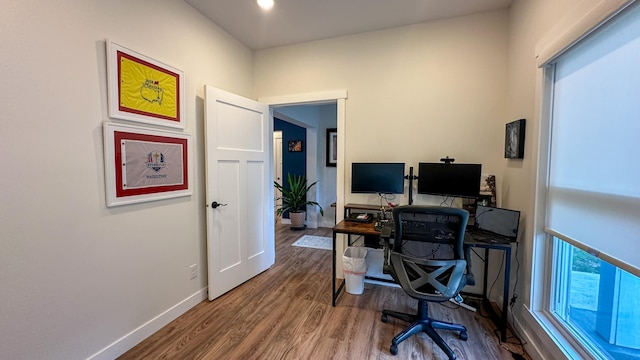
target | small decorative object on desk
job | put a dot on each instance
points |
(488, 191)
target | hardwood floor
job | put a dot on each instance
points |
(286, 313)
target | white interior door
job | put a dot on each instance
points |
(239, 189)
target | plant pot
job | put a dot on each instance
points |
(297, 219)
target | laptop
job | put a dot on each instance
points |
(495, 225)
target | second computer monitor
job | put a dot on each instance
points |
(458, 180)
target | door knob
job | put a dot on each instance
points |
(215, 204)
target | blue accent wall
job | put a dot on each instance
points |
(292, 162)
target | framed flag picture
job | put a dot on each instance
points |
(143, 89)
(143, 164)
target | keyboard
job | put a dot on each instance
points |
(487, 237)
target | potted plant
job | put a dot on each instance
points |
(294, 199)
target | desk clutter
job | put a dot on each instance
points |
(359, 217)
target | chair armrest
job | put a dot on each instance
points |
(471, 279)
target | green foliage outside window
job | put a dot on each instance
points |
(585, 262)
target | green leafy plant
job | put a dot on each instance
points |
(294, 198)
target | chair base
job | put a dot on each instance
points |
(421, 322)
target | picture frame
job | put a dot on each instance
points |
(144, 164)
(332, 147)
(514, 139)
(144, 90)
(295, 146)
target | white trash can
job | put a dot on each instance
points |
(354, 267)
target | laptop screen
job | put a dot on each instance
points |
(503, 222)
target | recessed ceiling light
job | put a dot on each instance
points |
(265, 4)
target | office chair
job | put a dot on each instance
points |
(427, 258)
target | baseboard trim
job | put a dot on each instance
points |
(540, 343)
(133, 338)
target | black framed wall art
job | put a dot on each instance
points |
(332, 147)
(514, 139)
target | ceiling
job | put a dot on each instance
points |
(295, 21)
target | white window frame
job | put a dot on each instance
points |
(585, 18)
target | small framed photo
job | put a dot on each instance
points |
(295, 145)
(514, 139)
(143, 164)
(143, 89)
(332, 147)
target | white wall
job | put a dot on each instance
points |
(76, 276)
(416, 93)
(530, 22)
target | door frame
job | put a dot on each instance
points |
(340, 98)
(277, 171)
(319, 98)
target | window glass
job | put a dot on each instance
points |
(597, 302)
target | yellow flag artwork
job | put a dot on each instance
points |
(147, 89)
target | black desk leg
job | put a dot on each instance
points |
(505, 294)
(486, 275)
(502, 322)
(333, 274)
(335, 292)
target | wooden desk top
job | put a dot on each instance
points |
(354, 227)
(367, 228)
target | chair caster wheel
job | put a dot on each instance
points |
(463, 336)
(384, 318)
(393, 350)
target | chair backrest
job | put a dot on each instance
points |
(427, 257)
(415, 224)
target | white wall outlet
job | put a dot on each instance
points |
(193, 271)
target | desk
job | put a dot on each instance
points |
(358, 228)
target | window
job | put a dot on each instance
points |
(593, 189)
(596, 302)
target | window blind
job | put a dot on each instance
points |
(585, 17)
(594, 168)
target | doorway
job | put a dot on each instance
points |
(306, 126)
(316, 135)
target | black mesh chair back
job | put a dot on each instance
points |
(426, 258)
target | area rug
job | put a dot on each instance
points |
(316, 242)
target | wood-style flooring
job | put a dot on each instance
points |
(286, 313)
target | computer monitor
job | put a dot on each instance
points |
(377, 178)
(457, 180)
(499, 221)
